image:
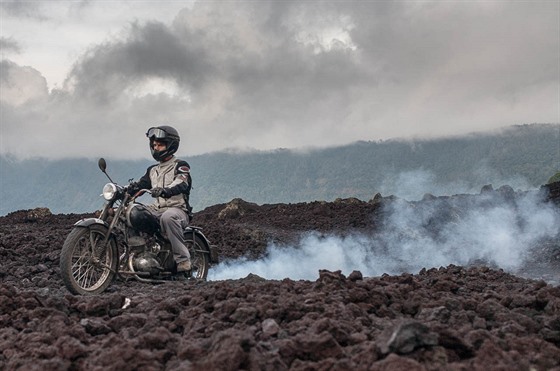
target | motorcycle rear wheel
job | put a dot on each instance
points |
(81, 272)
(200, 257)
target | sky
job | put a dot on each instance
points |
(88, 78)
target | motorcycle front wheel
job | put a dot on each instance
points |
(83, 269)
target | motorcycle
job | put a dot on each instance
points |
(98, 249)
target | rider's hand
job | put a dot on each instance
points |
(159, 192)
(132, 188)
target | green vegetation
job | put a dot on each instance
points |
(521, 156)
(555, 178)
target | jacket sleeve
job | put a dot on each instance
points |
(182, 182)
(145, 182)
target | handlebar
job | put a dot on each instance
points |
(141, 192)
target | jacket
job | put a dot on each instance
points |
(174, 176)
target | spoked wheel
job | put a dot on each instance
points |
(200, 259)
(82, 271)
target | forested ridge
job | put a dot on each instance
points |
(522, 156)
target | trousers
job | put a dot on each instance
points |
(172, 222)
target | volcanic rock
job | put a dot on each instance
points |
(438, 318)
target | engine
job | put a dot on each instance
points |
(148, 256)
(147, 262)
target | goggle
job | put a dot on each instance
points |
(156, 133)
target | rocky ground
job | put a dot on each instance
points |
(471, 317)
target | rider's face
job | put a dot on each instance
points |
(158, 146)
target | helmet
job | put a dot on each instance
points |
(167, 135)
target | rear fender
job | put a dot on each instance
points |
(213, 251)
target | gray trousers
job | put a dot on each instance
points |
(173, 221)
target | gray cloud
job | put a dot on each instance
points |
(291, 74)
(21, 85)
(39, 9)
(150, 50)
(9, 45)
(23, 9)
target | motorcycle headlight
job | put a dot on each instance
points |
(109, 191)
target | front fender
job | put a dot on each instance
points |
(90, 221)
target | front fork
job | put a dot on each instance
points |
(102, 248)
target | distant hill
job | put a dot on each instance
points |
(523, 156)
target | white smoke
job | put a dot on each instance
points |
(415, 236)
(414, 184)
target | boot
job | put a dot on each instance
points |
(184, 266)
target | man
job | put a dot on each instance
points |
(170, 184)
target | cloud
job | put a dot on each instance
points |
(150, 51)
(290, 74)
(23, 9)
(8, 44)
(21, 85)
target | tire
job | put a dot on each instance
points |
(200, 256)
(80, 274)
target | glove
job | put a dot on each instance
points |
(132, 188)
(160, 192)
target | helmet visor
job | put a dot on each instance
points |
(156, 133)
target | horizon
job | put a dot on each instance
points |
(298, 150)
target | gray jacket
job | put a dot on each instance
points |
(172, 175)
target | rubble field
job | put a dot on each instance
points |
(472, 317)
